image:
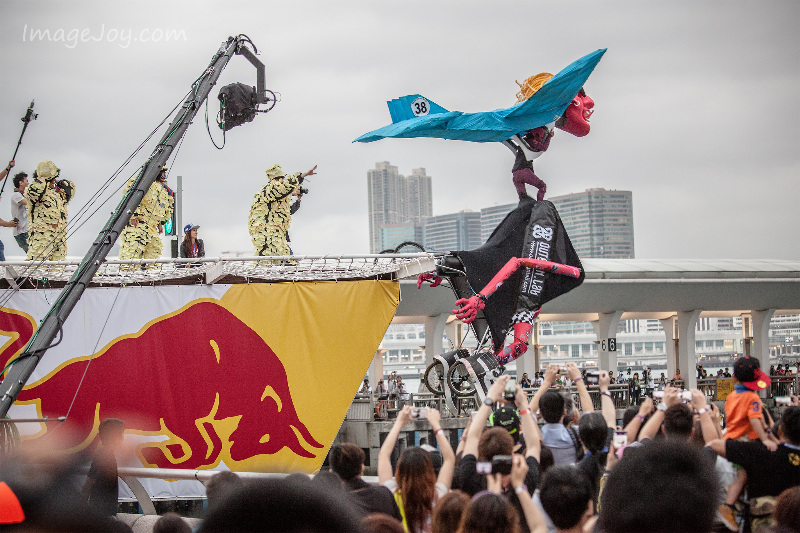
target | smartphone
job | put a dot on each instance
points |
(592, 378)
(419, 412)
(483, 468)
(620, 439)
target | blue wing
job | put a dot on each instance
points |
(417, 116)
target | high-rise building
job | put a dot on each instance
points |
(419, 202)
(491, 217)
(456, 231)
(397, 201)
(599, 222)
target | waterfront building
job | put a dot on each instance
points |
(599, 222)
(491, 217)
(640, 343)
(455, 231)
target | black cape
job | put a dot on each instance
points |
(534, 230)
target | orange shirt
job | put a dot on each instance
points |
(740, 407)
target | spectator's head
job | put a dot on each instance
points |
(593, 432)
(416, 482)
(220, 485)
(668, 485)
(347, 460)
(790, 425)
(747, 371)
(551, 405)
(566, 496)
(449, 510)
(490, 513)
(18, 177)
(436, 457)
(380, 523)
(494, 441)
(171, 523)
(111, 431)
(570, 413)
(678, 422)
(288, 505)
(787, 509)
(507, 418)
(329, 480)
(546, 459)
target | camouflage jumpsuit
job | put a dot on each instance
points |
(47, 216)
(270, 214)
(143, 241)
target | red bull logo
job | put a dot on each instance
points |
(201, 377)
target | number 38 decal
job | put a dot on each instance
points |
(420, 107)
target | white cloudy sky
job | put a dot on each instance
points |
(696, 108)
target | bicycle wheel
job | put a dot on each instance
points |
(434, 378)
(459, 380)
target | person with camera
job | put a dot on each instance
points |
(414, 484)
(491, 449)
(562, 441)
(271, 211)
(47, 199)
(634, 389)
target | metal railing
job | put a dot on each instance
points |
(268, 268)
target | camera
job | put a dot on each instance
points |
(303, 190)
(592, 378)
(419, 412)
(684, 395)
(500, 464)
(510, 391)
(783, 400)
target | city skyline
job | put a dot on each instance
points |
(598, 221)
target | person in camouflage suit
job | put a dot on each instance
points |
(47, 213)
(141, 238)
(271, 212)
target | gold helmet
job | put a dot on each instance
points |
(531, 85)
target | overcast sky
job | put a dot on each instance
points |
(696, 109)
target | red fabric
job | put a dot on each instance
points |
(223, 367)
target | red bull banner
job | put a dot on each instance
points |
(246, 377)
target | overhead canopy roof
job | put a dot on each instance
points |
(644, 288)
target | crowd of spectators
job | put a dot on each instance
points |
(544, 464)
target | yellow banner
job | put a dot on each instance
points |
(257, 376)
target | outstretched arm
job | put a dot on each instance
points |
(448, 457)
(470, 307)
(384, 462)
(547, 382)
(574, 374)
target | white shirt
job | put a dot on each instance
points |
(20, 212)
